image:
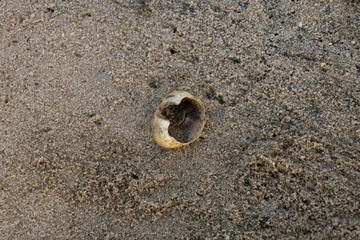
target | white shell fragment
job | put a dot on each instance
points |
(179, 120)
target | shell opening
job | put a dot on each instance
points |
(185, 119)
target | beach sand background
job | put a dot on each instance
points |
(279, 155)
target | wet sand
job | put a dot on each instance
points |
(279, 154)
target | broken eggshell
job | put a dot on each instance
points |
(179, 120)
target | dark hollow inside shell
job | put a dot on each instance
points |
(186, 119)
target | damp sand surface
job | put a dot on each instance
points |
(279, 154)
